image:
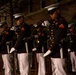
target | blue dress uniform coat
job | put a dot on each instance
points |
(6, 39)
(58, 33)
(72, 41)
(41, 41)
(24, 33)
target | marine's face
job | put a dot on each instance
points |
(4, 27)
(54, 15)
(19, 21)
(71, 29)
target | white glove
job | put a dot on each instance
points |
(47, 53)
(12, 50)
(69, 50)
(34, 49)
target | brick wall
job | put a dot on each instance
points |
(68, 11)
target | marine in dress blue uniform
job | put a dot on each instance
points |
(57, 46)
(5, 44)
(23, 44)
(40, 46)
(72, 45)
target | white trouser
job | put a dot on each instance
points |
(41, 63)
(23, 63)
(7, 64)
(73, 61)
(59, 66)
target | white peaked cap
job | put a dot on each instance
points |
(35, 25)
(46, 23)
(17, 15)
(2, 23)
(70, 25)
(13, 28)
(51, 7)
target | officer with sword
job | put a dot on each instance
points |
(23, 44)
(6, 43)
